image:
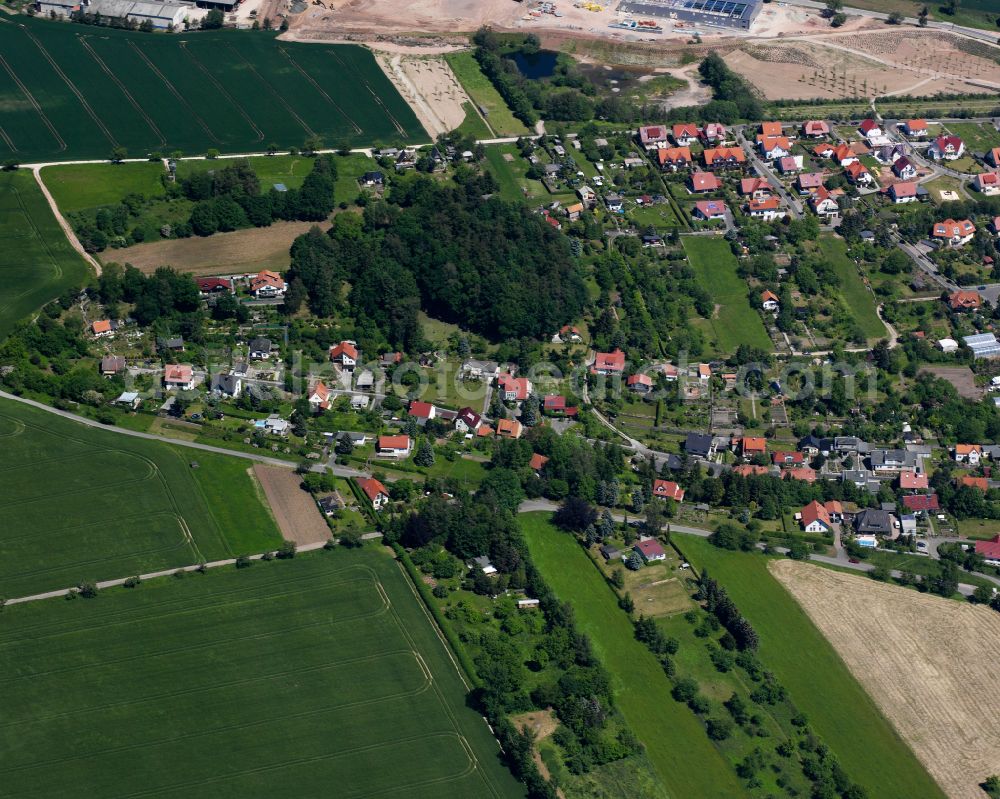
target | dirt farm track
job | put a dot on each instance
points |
(930, 664)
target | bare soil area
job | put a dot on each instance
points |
(297, 515)
(928, 663)
(866, 64)
(224, 253)
(429, 86)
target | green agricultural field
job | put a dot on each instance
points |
(78, 187)
(235, 91)
(485, 95)
(856, 295)
(817, 680)
(283, 679)
(676, 743)
(86, 504)
(734, 322)
(37, 263)
(978, 138)
(474, 125)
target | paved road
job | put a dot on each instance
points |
(340, 471)
(765, 171)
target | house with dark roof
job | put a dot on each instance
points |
(699, 445)
(873, 522)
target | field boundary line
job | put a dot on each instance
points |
(222, 90)
(69, 84)
(173, 90)
(7, 140)
(277, 95)
(128, 95)
(34, 103)
(67, 230)
(320, 89)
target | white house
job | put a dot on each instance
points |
(394, 446)
(968, 453)
(178, 377)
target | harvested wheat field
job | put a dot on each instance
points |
(297, 515)
(930, 664)
(222, 254)
(429, 86)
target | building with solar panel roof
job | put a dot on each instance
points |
(737, 14)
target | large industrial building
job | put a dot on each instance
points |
(162, 16)
(737, 14)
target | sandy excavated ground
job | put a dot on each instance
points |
(863, 64)
(429, 86)
(297, 516)
(930, 664)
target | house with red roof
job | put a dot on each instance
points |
(668, 489)
(787, 458)
(990, 550)
(537, 462)
(752, 445)
(769, 129)
(946, 148)
(554, 404)
(814, 518)
(750, 469)
(652, 135)
(815, 129)
(921, 503)
(724, 158)
(915, 128)
(509, 428)
(377, 493)
(398, 446)
(903, 192)
(968, 453)
(421, 411)
(345, 355)
(964, 300)
(609, 363)
(904, 169)
(755, 187)
(215, 285)
(774, 147)
(674, 158)
(703, 181)
(707, 210)
(869, 128)
(805, 473)
(769, 300)
(953, 232)
(987, 183)
(912, 480)
(981, 483)
(267, 285)
(766, 208)
(319, 397)
(178, 377)
(639, 383)
(685, 134)
(822, 202)
(650, 550)
(513, 389)
(102, 328)
(858, 174)
(844, 155)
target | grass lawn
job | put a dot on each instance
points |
(473, 125)
(675, 740)
(281, 679)
(816, 678)
(485, 95)
(37, 263)
(977, 137)
(658, 217)
(977, 528)
(288, 169)
(856, 295)
(734, 322)
(85, 504)
(943, 183)
(77, 187)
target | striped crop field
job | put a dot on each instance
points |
(71, 91)
(308, 677)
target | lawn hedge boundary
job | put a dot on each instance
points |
(456, 647)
